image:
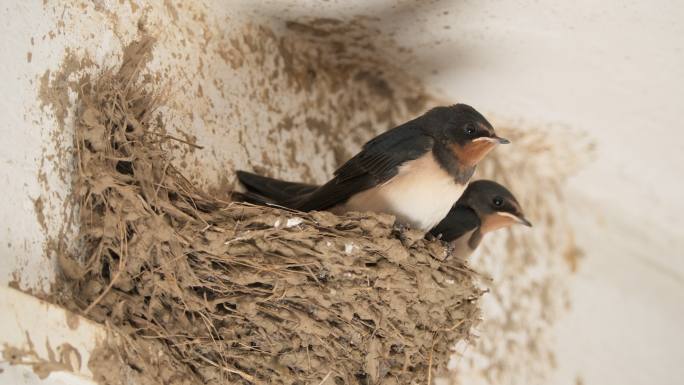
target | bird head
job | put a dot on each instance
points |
(465, 131)
(494, 204)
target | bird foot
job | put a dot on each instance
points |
(450, 249)
(399, 231)
(406, 235)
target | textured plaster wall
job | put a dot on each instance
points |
(291, 99)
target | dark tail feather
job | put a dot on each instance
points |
(263, 190)
(250, 197)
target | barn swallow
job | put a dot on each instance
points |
(415, 171)
(485, 206)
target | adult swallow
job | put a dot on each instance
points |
(485, 206)
(415, 171)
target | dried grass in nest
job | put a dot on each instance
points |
(245, 294)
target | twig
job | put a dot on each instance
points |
(429, 378)
(459, 323)
(167, 136)
(325, 378)
(111, 284)
(122, 262)
(229, 370)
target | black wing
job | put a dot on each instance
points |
(459, 221)
(377, 162)
(274, 190)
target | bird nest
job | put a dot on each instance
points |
(236, 293)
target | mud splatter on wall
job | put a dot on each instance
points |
(291, 98)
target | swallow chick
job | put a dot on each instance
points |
(415, 171)
(485, 206)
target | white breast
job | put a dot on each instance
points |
(459, 247)
(420, 195)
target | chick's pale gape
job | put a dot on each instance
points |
(415, 171)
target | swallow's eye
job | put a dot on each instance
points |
(469, 129)
(497, 201)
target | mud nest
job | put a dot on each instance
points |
(245, 294)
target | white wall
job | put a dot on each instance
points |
(616, 70)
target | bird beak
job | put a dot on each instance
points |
(523, 221)
(493, 139)
(517, 218)
(502, 140)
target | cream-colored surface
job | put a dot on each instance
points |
(615, 70)
(420, 195)
(48, 335)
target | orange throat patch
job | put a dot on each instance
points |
(473, 152)
(495, 222)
